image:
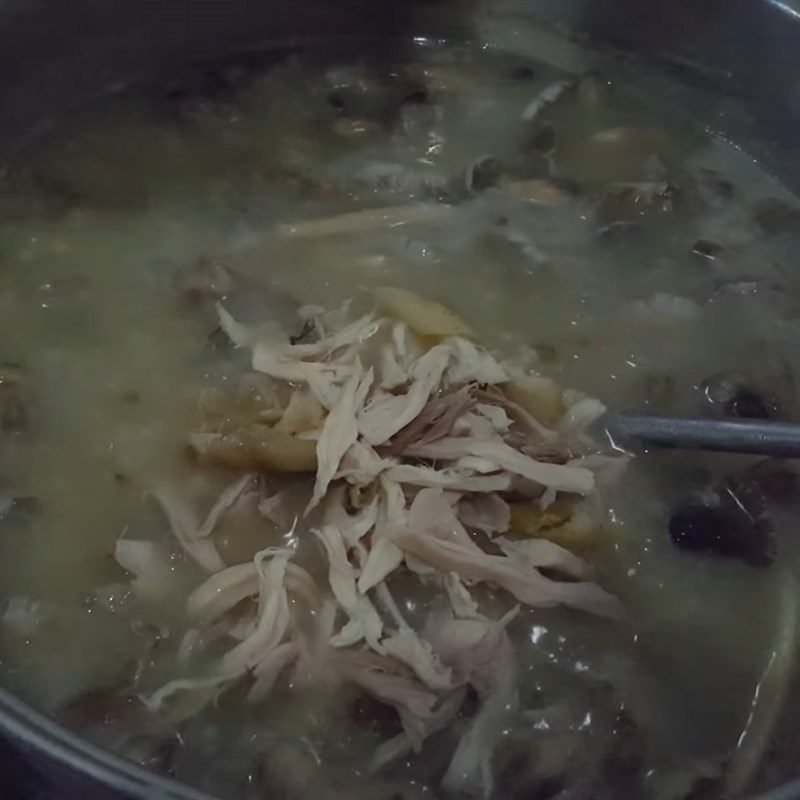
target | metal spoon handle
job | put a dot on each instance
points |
(767, 438)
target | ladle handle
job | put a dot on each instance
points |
(760, 437)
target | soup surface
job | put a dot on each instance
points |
(385, 557)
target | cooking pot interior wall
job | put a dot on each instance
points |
(54, 54)
(744, 54)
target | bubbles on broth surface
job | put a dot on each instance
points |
(638, 257)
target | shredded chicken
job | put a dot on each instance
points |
(383, 558)
(361, 464)
(267, 671)
(150, 567)
(364, 621)
(543, 554)
(227, 499)
(422, 443)
(277, 509)
(221, 592)
(339, 432)
(577, 480)
(470, 769)
(392, 683)
(387, 414)
(353, 526)
(303, 413)
(397, 747)
(462, 603)
(435, 421)
(471, 363)
(186, 528)
(418, 654)
(207, 688)
(455, 479)
(523, 581)
(485, 512)
(273, 613)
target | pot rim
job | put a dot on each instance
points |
(26, 727)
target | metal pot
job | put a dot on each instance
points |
(55, 56)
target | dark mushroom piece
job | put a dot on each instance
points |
(364, 100)
(625, 208)
(747, 404)
(731, 396)
(335, 102)
(728, 520)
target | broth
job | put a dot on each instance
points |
(656, 275)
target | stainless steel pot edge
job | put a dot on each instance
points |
(29, 728)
